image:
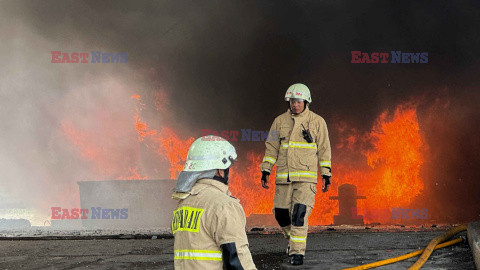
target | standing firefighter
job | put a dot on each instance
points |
(297, 144)
(209, 224)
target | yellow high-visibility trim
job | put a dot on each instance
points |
(186, 219)
(325, 163)
(269, 159)
(304, 174)
(198, 250)
(298, 238)
(297, 174)
(302, 145)
(193, 254)
(299, 145)
(196, 258)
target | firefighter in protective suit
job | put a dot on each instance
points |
(209, 224)
(298, 144)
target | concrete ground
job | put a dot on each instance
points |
(326, 250)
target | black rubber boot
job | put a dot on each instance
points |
(296, 259)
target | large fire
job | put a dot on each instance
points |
(391, 178)
(385, 164)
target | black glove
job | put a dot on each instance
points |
(326, 182)
(265, 179)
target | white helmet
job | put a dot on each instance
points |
(298, 90)
(210, 152)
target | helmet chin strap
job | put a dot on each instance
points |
(223, 179)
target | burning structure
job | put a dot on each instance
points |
(403, 134)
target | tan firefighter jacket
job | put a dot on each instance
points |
(295, 158)
(206, 219)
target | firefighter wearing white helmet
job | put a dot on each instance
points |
(209, 224)
(299, 91)
(298, 144)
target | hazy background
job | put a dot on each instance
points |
(226, 65)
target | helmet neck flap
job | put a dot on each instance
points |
(223, 179)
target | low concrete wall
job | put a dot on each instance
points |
(137, 203)
(473, 233)
(14, 224)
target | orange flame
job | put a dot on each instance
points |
(392, 176)
(143, 130)
(174, 149)
(166, 143)
(245, 185)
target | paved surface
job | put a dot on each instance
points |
(474, 240)
(327, 250)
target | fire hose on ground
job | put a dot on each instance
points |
(425, 253)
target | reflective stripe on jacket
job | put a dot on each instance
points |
(208, 218)
(295, 158)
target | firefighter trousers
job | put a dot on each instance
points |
(293, 203)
